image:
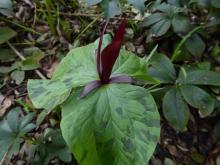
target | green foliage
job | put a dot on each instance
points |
(49, 16)
(215, 3)
(162, 68)
(198, 98)
(17, 69)
(18, 76)
(116, 124)
(195, 45)
(163, 17)
(32, 62)
(178, 50)
(138, 4)
(47, 146)
(13, 129)
(6, 7)
(6, 55)
(175, 109)
(200, 77)
(181, 19)
(187, 87)
(6, 34)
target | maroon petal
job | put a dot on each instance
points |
(90, 87)
(99, 67)
(121, 79)
(111, 52)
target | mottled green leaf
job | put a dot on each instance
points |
(6, 34)
(47, 93)
(175, 109)
(116, 124)
(198, 98)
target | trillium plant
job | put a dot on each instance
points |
(106, 118)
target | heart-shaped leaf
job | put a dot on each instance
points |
(116, 124)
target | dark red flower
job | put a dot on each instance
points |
(106, 59)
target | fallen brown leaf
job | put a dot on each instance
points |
(5, 103)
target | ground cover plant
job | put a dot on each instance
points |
(109, 82)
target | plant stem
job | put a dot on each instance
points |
(87, 27)
(151, 54)
(177, 50)
(21, 26)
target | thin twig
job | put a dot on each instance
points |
(177, 51)
(3, 159)
(87, 27)
(23, 58)
(5, 156)
(21, 26)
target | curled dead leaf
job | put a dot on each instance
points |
(5, 103)
(52, 69)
